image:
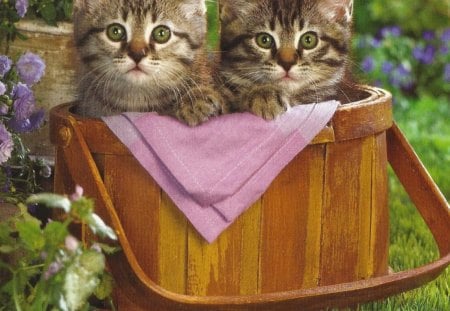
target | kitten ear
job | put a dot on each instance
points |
(191, 8)
(337, 10)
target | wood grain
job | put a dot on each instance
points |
(310, 229)
(137, 199)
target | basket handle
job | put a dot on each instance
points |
(147, 295)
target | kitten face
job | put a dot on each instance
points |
(297, 46)
(137, 50)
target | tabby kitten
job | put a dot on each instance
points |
(277, 53)
(144, 55)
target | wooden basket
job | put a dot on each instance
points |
(317, 238)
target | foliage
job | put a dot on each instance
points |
(11, 11)
(9, 16)
(51, 11)
(46, 268)
(413, 16)
(18, 115)
(406, 66)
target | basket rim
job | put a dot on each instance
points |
(362, 118)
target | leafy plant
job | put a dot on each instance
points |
(45, 267)
(11, 11)
(18, 115)
(413, 16)
(407, 66)
(51, 11)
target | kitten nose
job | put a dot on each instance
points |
(286, 58)
(137, 50)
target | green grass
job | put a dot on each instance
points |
(425, 123)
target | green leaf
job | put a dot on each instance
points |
(92, 261)
(31, 234)
(98, 226)
(48, 12)
(81, 279)
(82, 209)
(108, 249)
(55, 233)
(6, 249)
(51, 200)
(105, 288)
(5, 234)
(68, 8)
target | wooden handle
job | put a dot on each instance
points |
(420, 187)
(147, 295)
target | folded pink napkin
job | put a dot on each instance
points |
(215, 171)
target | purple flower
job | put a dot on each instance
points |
(20, 90)
(428, 55)
(403, 71)
(24, 104)
(428, 35)
(6, 144)
(368, 64)
(425, 55)
(53, 268)
(21, 7)
(31, 68)
(387, 67)
(445, 37)
(28, 125)
(376, 42)
(417, 53)
(5, 65)
(444, 50)
(401, 77)
(447, 73)
(2, 88)
(390, 31)
(4, 109)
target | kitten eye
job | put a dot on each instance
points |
(161, 34)
(309, 40)
(116, 32)
(265, 41)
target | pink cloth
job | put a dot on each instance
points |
(215, 171)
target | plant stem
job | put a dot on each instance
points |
(32, 267)
(15, 296)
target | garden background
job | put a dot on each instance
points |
(404, 47)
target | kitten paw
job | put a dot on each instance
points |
(266, 103)
(200, 105)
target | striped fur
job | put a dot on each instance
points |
(266, 81)
(138, 73)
